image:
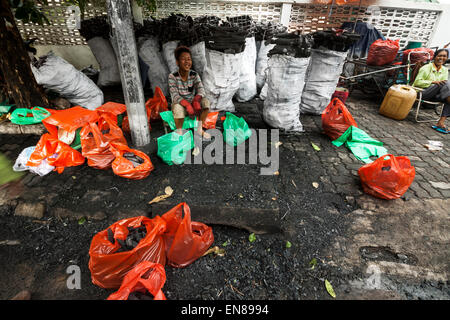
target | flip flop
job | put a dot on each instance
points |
(440, 129)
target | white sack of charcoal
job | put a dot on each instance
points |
(56, 74)
(168, 49)
(247, 77)
(158, 72)
(221, 78)
(198, 53)
(109, 69)
(322, 76)
(285, 79)
(261, 63)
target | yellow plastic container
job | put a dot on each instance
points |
(398, 101)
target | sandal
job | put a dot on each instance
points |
(441, 129)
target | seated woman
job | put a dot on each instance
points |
(187, 92)
(433, 78)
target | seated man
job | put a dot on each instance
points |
(433, 78)
(187, 92)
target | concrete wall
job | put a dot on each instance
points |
(80, 56)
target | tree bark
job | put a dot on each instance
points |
(15, 63)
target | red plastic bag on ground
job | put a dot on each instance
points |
(96, 140)
(69, 119)
(145, 277)
(417, 55)
(336, 119)
(382, 52)
(156, 105)
(186, 240)
(340, 93)
(130, 163)
(112, 109)
(387, 178)
(47, 146)
(210, 121)
(108, 267)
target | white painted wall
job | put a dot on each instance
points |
(79, 56)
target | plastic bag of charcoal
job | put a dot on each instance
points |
(328, 56)
(287, 64)
(221, 77)
(126, 243)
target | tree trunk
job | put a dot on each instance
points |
(15, 63)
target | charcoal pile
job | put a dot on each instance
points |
(136, 295)
(334, 41)
(95, 27)
(135, 235)
(226, 39)
(291, 44)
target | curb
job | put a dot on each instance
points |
(11, 128)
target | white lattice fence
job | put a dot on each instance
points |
(259, 11)
(393, 23)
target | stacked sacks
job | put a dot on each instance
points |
(287, 65)
(96, 33)
(224, 47)
(325, 67)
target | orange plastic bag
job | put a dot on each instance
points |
(69, 119)
(145, 277)
(387, 178)
(47, 146)
(336, 119)
(185, 240)
(108, 267)
(382, 52)
(210, 121)
(96, 140)
(112, 109)
(156, 104)
(127, 168)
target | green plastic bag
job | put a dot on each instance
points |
(361, 144)
(188, 123)
(235, 130)
(172, 147)
(24, 116)
(4, 108)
